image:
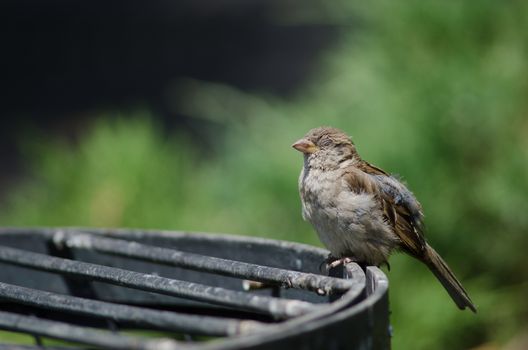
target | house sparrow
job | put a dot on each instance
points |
(360, 212)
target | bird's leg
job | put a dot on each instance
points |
(326, 263)
(332, 262)
(340, 261)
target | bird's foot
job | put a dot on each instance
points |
(332, 262)
(340, 261)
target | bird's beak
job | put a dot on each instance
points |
(305, 146)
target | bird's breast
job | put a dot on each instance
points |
(318, 191)
(348, 223)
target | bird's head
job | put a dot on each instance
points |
(326, 147)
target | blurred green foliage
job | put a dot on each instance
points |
(433, 91)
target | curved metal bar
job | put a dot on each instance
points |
(323, 285)
(278, 308)
(83, 335)
(357, 325)
(357, 319)
(193, 324)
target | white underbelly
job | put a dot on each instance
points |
(351, 225)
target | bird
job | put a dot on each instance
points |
(362, 213)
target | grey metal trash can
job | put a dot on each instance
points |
(195, 290)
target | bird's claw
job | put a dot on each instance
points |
(332, 262)
(341, 261)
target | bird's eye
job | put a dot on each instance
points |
(326, 142)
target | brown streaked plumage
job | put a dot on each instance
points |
(361, 212)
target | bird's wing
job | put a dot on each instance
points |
(400, 208)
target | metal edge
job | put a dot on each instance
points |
(211, 236)
(339, 311)
(376, 283)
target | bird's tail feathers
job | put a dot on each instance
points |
(444, 274)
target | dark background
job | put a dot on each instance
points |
(64, 60)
